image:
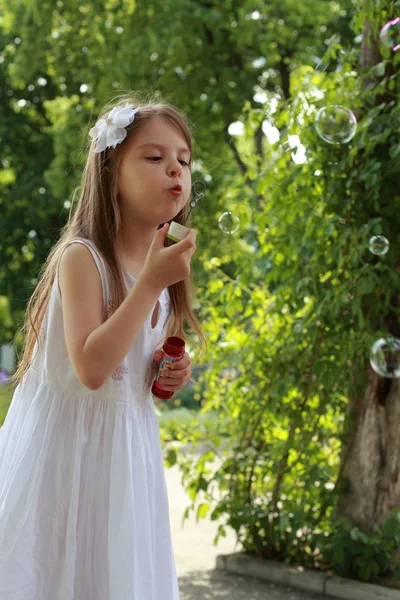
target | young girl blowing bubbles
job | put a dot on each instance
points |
(83, 500)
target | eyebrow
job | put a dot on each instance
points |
(185, 149)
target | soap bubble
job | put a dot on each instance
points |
(378, 245)
(228, 222)
(390, 34)
(335, 124)
(385, 357)
(198, 189)
(322, 65)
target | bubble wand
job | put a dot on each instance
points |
(177, 231)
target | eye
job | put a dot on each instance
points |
(157, 158)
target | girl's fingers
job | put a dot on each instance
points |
(173, 386)
(188, 242)
(170, 388)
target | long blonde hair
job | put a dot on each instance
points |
(97, 217)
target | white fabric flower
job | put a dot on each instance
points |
(111, 131)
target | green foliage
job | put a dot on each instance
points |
(176, 424)
(292, 309)
(273, 490)
(189, 397)
(60, 62)
(365, 556)
(6, 394)
(5, 319)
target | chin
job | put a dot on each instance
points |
(170, 215)
(180, 208)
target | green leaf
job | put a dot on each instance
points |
(202, 511)
(171, 457)
(364, 572)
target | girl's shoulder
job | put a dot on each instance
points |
(98, 259)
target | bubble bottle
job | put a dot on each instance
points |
(173, 350)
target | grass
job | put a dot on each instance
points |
(6, 394)
(185, 415)
(181, 423)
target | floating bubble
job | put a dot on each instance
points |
(198, 189)
(325, 62)
(390, 34)
(385, 357)
(335, 124)
(322, 65)
(229, 222)
(379, 245)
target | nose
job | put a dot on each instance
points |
(174, 168)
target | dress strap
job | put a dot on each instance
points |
(101, 266)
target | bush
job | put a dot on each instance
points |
(178, 424)
(190, 398)
(359, 555)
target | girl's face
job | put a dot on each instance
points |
(154, 161)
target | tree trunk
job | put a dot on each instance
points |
(371, 461)
(371, 458)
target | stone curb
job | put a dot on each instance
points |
(304, 579)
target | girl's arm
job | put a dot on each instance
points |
(96, 348)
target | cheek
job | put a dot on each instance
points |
(129, 178)
(123, 178)
(147, 174)
(188, 183)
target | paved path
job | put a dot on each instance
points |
(195, 558)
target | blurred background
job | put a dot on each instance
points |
(295, 115)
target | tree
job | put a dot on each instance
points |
(371, 455)
(292, 310)
(63, 60)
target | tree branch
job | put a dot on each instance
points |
(232, 145)
(285, 75)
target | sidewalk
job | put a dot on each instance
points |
(195, 558)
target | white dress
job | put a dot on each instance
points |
(84, 509)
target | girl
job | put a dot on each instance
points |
(83, 500)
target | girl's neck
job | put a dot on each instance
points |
(132, 252)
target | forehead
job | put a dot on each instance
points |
(160, 132)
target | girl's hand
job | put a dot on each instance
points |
(177, 375)
(165, 266)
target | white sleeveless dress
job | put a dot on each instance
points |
(84, 509)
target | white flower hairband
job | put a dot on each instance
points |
(110, 132)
